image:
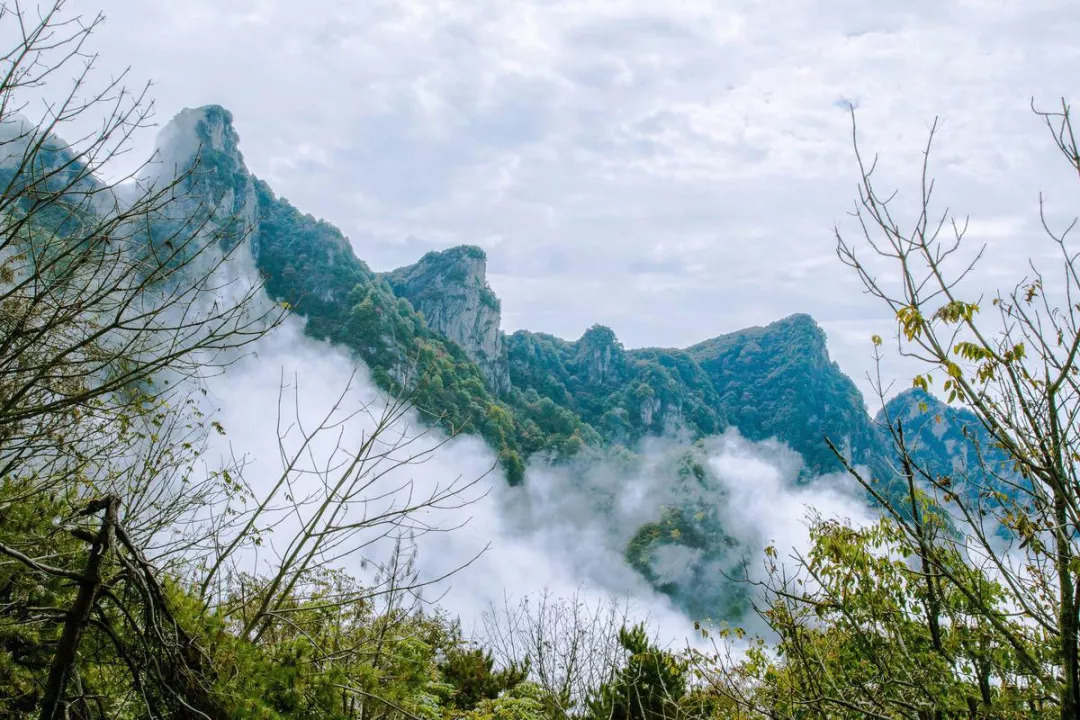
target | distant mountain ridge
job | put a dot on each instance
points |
(527, 392)
(532, 394)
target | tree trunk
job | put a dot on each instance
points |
(1070, 692)
(63, 664)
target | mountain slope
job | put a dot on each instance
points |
(432, 329)
(778, 381)
(950, 441)
(624, 395)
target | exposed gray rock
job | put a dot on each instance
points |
(649, 408)
(601, 356)
(449, 288)
(201, 147)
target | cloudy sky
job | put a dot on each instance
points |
(672, 170)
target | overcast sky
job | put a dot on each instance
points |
(673, 170)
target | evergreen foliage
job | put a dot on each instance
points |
(650, 685)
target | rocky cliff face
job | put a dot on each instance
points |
(600, 356)
(200, 147)
(450, 289)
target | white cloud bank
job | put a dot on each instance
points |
(563, 532)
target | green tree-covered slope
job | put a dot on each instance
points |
(778, 381)
(434, 326)
(432, 329)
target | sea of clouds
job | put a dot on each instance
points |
(563, 532)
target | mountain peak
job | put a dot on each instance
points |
(802, 326)
(599, 335)
(601, 355)
(911, 397)
(215, 128)
(200, 148)
(465, 265)
(197, 132)
(461, 253)
(449, 287)
(798, 334)
(804, 320)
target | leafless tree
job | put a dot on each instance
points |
(108, 295)
(570, 644)
(991, 582)
(117, 297)
(347, 490)
(1017, 371)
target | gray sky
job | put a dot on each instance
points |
(672, 170)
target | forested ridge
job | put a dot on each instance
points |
(144, 576)
(431, 332)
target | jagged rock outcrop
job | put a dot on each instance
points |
(600, 356)
(201, 148)
(450, 290)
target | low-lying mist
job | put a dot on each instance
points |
(671, 529)
(565, 531)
